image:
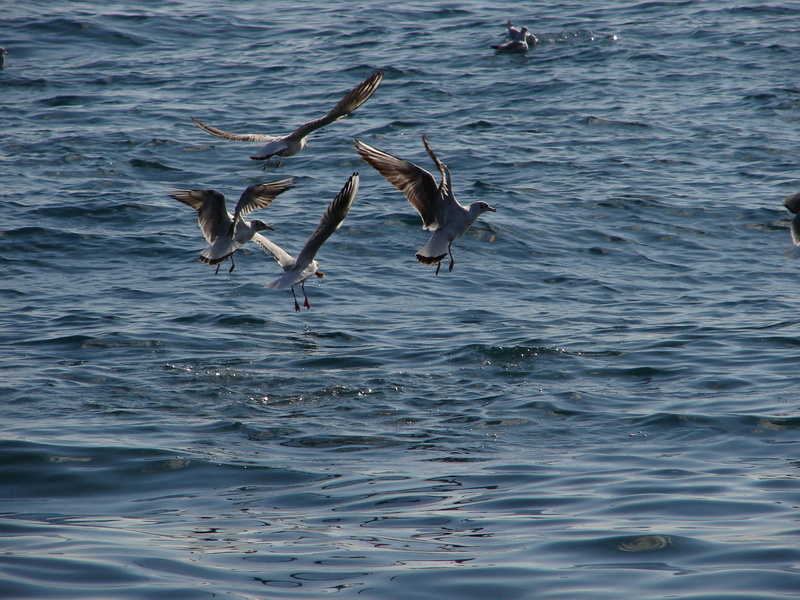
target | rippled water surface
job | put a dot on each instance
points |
(600, 401)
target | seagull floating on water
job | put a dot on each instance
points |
(289, 145)
(3, 54)
(436, 204)
(224, 232)
(516, 46)
(513, 32)
(297, 271)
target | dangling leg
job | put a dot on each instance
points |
(296, 305)
(303, 287)
(266, 164)
(233, 265)
(452, 260)
(438, 266)
(217, 271)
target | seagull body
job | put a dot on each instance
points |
(298, 270)
(3, 54)
(513, 32)
(224, 232)
(289, 145)
(515, 46)
(436, 204)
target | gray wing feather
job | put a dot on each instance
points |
(352, 100)
(331, 221)
(212, 215)
(260, 196)
(235, 137)
(416, 183)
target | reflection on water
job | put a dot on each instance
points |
(645, 543)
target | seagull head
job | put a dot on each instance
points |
(258, 225)
(482, 207)
(319, 274)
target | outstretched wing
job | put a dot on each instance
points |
(235, 137)
(354, 98)
(212, 215)
(260, 196)
(416, 183)
(331, 221)
(284, 259)
(446, 198)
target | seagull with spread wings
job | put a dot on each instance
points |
(518, 44)
(436, 204)
(298, 270)
(289, 145)
(224, 232)
(513, 32)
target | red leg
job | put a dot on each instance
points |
(296, 305)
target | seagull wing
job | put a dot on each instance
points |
(235, 137)
(260, 196)
(447, 200)
(796, 230)
(284, 259)
(212, 215)
(416, 183)
(354, 98)
(331, 221)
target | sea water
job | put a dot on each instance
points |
(600, 401)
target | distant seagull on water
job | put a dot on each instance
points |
(297, 271)
(289, 145)
(3, 54)
(224, 232)
(436, 204)
(517, 45)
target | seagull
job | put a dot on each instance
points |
(3, 54)
(437, 205)
(289, 145)
(516, 45)
(224, 232)
(513, 32)
(298, 270)
(793, 204)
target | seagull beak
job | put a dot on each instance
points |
(270, 228)
(492, 209)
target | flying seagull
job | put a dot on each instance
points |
(289, 145)
(436, 204)
(224, 232)
(298, 270)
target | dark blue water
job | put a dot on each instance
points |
(599, 402)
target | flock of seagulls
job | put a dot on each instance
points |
(226, 233)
